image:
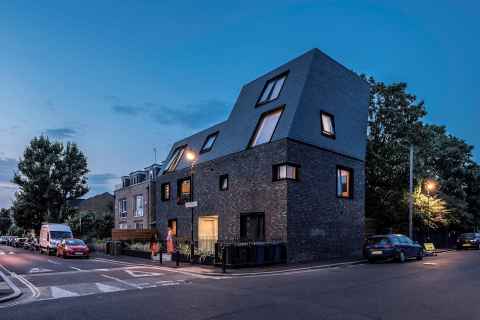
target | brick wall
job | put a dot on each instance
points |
(130, 193)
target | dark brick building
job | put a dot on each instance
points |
(287, 164)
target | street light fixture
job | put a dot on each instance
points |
(191, 156)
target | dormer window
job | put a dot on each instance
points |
(175, 159)
(209, 141)
(328, 124)
(266, 127)
(272, 89)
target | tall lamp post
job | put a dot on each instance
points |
(192, 157)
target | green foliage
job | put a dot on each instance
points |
(91, 225)
(49, 176)
(5, 221)
(395, 122)
(430, 210)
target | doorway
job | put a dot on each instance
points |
(207, 234)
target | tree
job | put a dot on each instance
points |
(5, 221)
(49, 176)
(90, 225)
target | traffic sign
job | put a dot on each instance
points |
(192, 204)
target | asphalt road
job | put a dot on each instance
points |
(442, 287)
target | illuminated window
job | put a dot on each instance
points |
(184, 190)
(165, 191)
(209, 141)
(344, 182)
(285, 171)
(138, 206)
(266, 127)
(328, 124)
(172, 224)
(224, 182)
(272, 89)
(175, 159)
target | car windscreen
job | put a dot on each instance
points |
(60, 234)
(75, 242)
(378, 241)
(467, 236)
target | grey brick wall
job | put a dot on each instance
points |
(321, 225)
(306, 213)
(130, 193)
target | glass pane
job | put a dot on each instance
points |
(224, 183)
(277, 88)
(327, 124)
(266, 128)
(175, 159)
(343, 183)
(282, 172)
(291, 172)
(209, 143)
(267, 91)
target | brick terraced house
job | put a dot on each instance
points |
(287, 164)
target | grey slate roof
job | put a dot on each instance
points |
(315, 82)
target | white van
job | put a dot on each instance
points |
(51, 235)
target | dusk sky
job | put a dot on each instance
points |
(123, 77)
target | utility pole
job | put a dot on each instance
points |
(410, 196)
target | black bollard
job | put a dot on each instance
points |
(224, 258)
(177, 258)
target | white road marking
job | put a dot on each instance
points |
(75, 268)
(430, 263)
(54, 262)
(57, 292)
(122, 281)
(2, 253)
(140, 274)
(38, 270)
(11, 252)
(107, 288)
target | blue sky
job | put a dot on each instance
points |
(123, 77)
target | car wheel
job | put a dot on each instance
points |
(401, 257)
(420, 255)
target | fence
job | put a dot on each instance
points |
(250, 254)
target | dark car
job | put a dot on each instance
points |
(30, 244)
(72, 248)
(392, 247)
(468, 241)
(19, 242)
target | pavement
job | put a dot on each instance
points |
(441, 287)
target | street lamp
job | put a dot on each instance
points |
(191, 156)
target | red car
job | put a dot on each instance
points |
(72, 248)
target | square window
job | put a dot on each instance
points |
(266, 127)
(165, 191)
(223, 182)
(175, 159)
(184, 190)
(344, 182)
(252, 226)
(327, 124)
(172, 225)
(285, 171)
(272, 89)
(209, 141)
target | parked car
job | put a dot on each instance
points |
(72, 248)
(51, 234)
(468, 241)
(392, 247)
(30, 244)
(19, 242)
(11, 241)
(3, 240)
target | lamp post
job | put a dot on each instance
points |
(430, 186)
(192, 157)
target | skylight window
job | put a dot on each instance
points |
(328, 124)
(266, 127)
(209, 141)
(272, 89)
(175, 159)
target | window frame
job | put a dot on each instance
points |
(332, 119)
(260, 120)
(171, 168)
(220, 185)
(162, 191)
(248, 215)
(135, 214)
(351, 182)
(275, 168)
(121, 212)
(265, 86)
(180, 199)
(215, 135)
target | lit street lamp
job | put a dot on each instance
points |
(192, 158)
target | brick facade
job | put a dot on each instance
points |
(129, 193)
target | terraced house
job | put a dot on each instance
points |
(287, 164)
(135, 200)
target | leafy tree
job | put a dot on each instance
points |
(90, 225)
(430, 210)
(49, 176)
(5, 221)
